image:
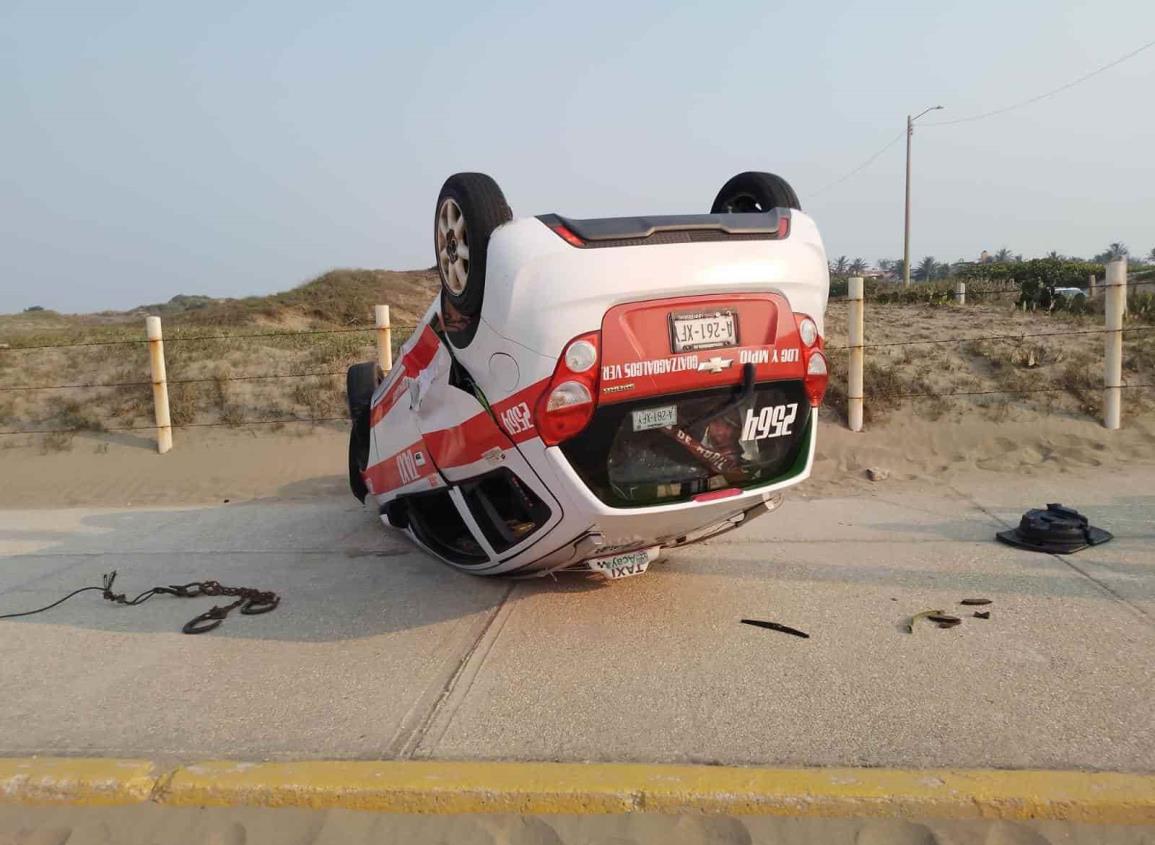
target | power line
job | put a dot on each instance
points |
(860, 167)
(984, 115)
(1044, 96)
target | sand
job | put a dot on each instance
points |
(213, 465)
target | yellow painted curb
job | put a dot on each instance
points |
(576, 788)
(76, 780)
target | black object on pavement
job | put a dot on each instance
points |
(975, 602)
(982, 614)
(250, 601)
(943, 620)
(774, 626)
(1056, 530)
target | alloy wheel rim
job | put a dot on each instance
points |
(452, 246)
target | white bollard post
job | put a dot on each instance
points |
(960, 292)
(159, 384)
(384, 337)
(1114, 305)
(857, 334)
(1092, 284)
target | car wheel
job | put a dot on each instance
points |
(360, 382)
(753, 191)
(469, 207)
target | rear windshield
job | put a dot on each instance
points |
(671, 448)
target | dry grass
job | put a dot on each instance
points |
(1022, 368)
(337, 300)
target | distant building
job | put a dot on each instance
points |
(985, 257)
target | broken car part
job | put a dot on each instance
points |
(1056, 530)
(926, 614)
(944, 620)
(774, 626)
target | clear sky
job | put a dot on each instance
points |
(230, 148)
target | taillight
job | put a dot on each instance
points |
(568, 403)
(567, 235)
(817, 373)
(816, 377)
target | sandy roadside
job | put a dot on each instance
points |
(215, 465)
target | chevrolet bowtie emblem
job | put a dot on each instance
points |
(715, 365)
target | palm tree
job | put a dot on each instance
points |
(1151, 255)
(839, 266)
(926, 268)
(897, 268)
(1003, 256)
(1117, 250)
(885, 265)
(857, 266)
(944, 271)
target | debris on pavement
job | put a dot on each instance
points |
(982, 614)
(1055, 530)
(975, 602)
(944, 620)
(249, 600)
(926, 614)
(877, 473)
(774, 626)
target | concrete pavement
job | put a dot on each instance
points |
(379, 652)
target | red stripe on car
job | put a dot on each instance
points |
(413, 360)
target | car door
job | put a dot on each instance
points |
(399, 464)
(499, 495)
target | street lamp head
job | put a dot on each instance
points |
(921, 113)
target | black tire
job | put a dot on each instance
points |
(360, 382)
(481, 208)
(754, 191)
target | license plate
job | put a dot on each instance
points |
(625, 564)
(703, 330)
(660, 417)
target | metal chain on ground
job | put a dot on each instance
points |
(249, 600)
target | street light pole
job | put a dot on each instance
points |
(906, 232)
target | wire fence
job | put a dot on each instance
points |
(80, 430)
(205, 380)
(179, 338)
(207, 337)
(971, 338)
(928, 293)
